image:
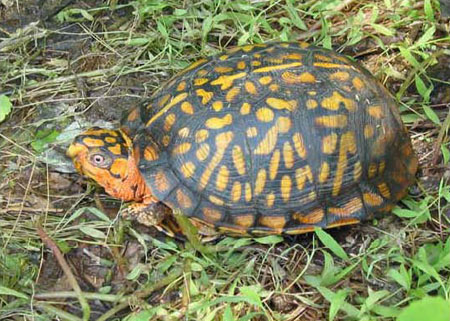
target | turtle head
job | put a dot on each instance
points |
(107, 157)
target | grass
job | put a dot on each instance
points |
(65, 254)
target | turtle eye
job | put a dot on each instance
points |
(100, 160)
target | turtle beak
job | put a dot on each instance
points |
(74, 152)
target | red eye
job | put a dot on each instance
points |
(100, 160)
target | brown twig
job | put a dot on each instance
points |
(66, 269)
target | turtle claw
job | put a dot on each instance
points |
(145, 214)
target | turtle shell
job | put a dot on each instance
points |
(274, 138)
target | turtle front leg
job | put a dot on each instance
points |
(149, 212)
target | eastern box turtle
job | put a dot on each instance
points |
(261, 139)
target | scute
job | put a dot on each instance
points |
(275, 138)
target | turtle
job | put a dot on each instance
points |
(271, 138)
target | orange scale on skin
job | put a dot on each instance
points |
(93, 142)
(119, 167)
(116, 149)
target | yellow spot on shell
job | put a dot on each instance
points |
(222, 142)
(260, 181)
(177, 99)
(340, 76)
(201, 135)
(275, 222)
(200, 81)
(288, 155)
(216, 200)
(244, 221)
(311, 103)
(133, 115)
(322, 57)
(352, 206)
(357, 171)
(286, 186)
(357, 82)
(252, 132)
(265, 80)
(93, 142)
(329, 143)
(347, 144)
(384, 190)
(232, 93)
(245, 109)
(313, 217)
(368, 131)
(303, 174)
(292, 78)
(223, 57)
(270, 200)
(162, 182)
(238, 159)
(375, 112)
(267, 144)
(324, 172)
(217, 105)
(222, 69)
(278, 103)
(110, 140)
(211, 215)
(222, 178)
(295, 56)
(202, 72)
(194, 65)
(227, 81)
(170, 120)
(119, 167)
(274, 87)
(187, 108)
(218, 123)
(184, 132)
(333, 102)
(183, 200)
(181, 86)
(381, 167)
(187, 169)
(274, 163)
(330, 65)
(284, 124)
(264, 114)
(241, 65)
(372, 199)
(250, 88)
(205, 95)
(372, 171)
(236, 191)
(116, 149)
(299, 145)
(163, 100)
(150, 153)
(166, 140)
(248, 192)
(332, 121)
(277, 67)
(202, 152)
(182, 148)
